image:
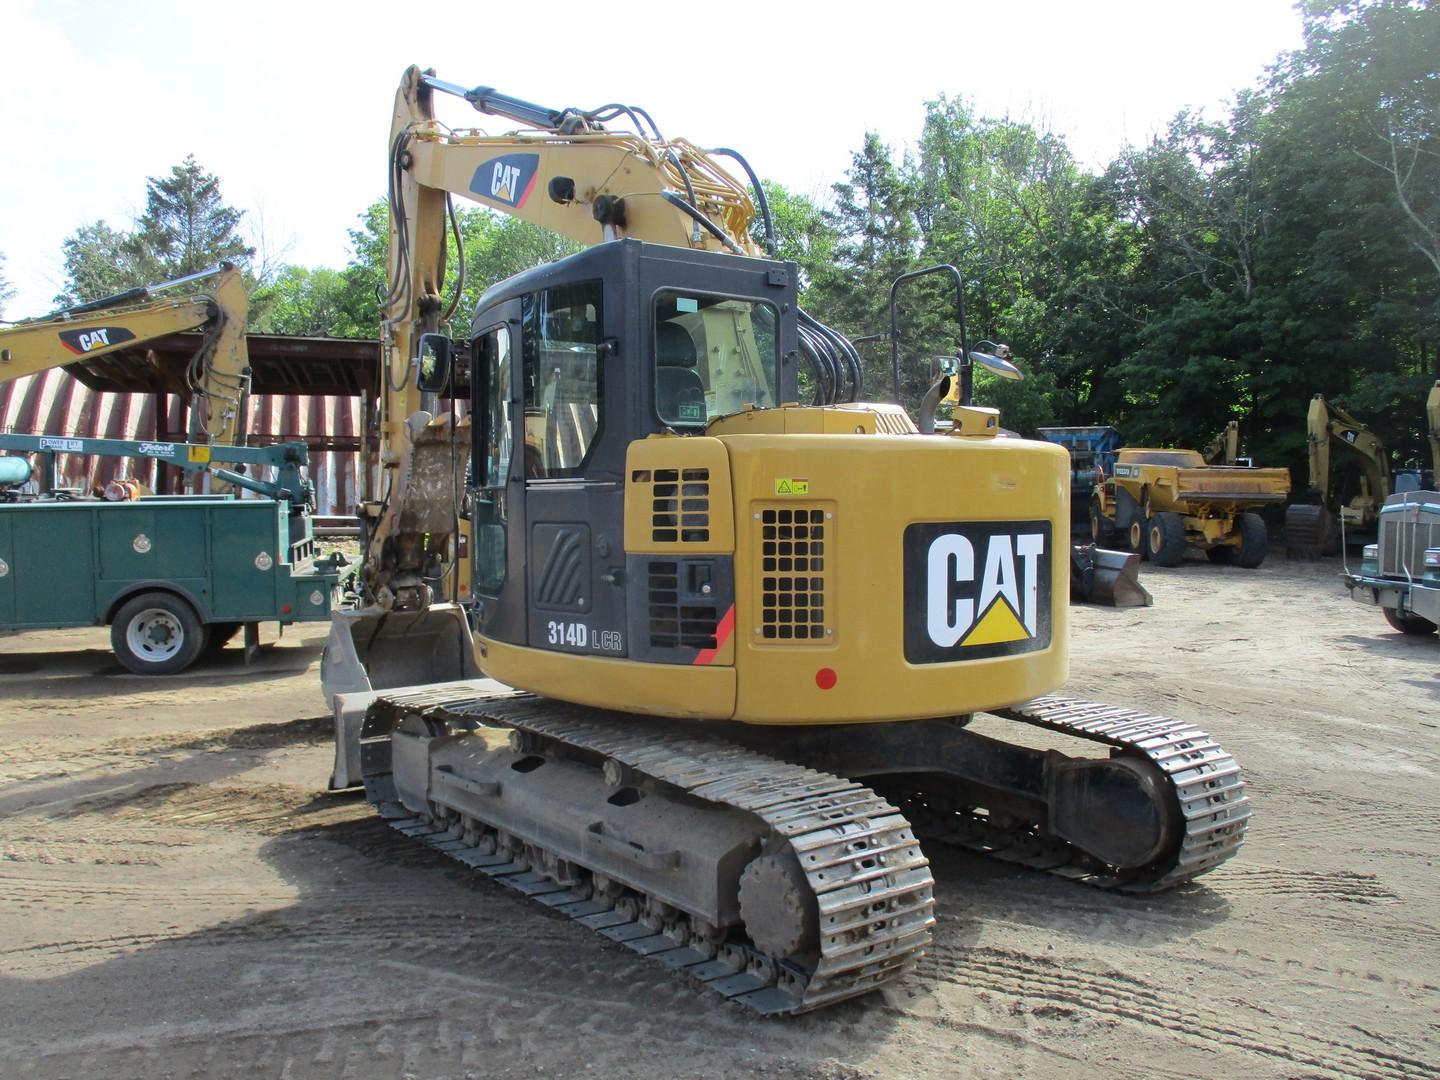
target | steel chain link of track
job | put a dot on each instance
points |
(871, 881)
(884, 909)
(1213, 808)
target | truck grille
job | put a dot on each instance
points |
(1409, 523)
(794, 568)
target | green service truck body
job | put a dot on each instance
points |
(77, 563)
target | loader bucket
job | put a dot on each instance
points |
(374, 649)
(1110, 578)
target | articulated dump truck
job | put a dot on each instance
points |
(1161, 502)
(703, 676)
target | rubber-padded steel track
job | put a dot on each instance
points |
(1213, 809)
(870, 880)
(1306, 531)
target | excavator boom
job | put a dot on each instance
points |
(218, 375)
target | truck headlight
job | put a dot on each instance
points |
(1432, 563)
(1371, 553)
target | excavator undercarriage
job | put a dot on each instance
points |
(761, 866)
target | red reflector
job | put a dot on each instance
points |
(284, 609)
(825, 678)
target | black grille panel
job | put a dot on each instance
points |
(673, 622)
(679, 506)
(793, 564)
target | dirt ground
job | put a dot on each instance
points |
(181, 899)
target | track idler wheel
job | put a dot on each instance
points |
(1121, 809)
(779, 908)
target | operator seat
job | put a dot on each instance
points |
(679, 390)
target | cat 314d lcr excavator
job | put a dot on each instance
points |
(745, 636)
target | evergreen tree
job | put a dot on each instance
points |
(873, 220)
(186, 227)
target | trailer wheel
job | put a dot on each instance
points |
(1165, 539)
(157, 633)
(1254, 539)
(1415, 625)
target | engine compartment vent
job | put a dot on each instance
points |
(680, 506)
(794, 573)
(674, 623)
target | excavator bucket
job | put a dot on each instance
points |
(1109, 578)
(374, 649)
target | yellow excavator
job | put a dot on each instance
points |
(1311, 528)
(85, 335)
(705, 683)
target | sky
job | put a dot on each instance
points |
(289, 102)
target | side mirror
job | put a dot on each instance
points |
(436, 354)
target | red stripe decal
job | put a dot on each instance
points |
(722, 635)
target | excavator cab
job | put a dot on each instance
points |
(567, 369)
(593, 371)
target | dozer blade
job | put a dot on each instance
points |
(1110, 578)
(372, 650)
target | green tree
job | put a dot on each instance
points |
(303, 302)
(185, 227)
(802, 233)
(101, 261)
(875, 240)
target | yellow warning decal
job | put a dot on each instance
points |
(997, 625)
(200, 453)
(792, 486)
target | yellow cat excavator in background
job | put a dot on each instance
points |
(85, 335)
(1311, 528)
(745, 636)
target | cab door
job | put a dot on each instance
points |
(497, 478)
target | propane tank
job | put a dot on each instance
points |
(14, 470)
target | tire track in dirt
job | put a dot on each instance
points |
(505, 1040)
(1343, 886)
(269, 809)
(1072, 985)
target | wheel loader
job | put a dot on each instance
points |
(701, 674)
(1162, 502)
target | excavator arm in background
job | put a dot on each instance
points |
(1224, 449)
(1309, 527)
(1432, 424)
(218, 374)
